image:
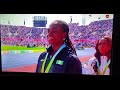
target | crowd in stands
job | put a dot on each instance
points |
(86, 35)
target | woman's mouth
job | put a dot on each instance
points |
(50, 38)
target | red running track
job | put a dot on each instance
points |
(32, 68)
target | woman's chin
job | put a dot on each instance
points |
(51, 42)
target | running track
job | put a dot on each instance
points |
(27, 62)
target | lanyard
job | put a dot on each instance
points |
(51, 61)
(102, 73)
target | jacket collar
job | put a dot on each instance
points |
(50, 49)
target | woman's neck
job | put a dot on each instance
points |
(56, 47)
(107, 55)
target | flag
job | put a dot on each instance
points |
(8, 22)
(90, 15)
(24, 22)
(71, 19)
(99, 17)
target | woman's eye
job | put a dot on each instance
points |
(99, 44)
(48, 30)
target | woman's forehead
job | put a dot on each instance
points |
(104, 40)
(55, 22)
(55, 26)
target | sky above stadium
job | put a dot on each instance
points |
(18, 19)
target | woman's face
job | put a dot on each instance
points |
(56, 34)
(104, 46)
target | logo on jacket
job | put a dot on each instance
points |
(60, 62)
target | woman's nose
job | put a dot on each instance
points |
(49, 34)
(101, 46)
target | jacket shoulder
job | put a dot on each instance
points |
(93, 59)
(42, 55)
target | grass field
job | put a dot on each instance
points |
(7, 48)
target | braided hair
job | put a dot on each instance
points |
(67, 40)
